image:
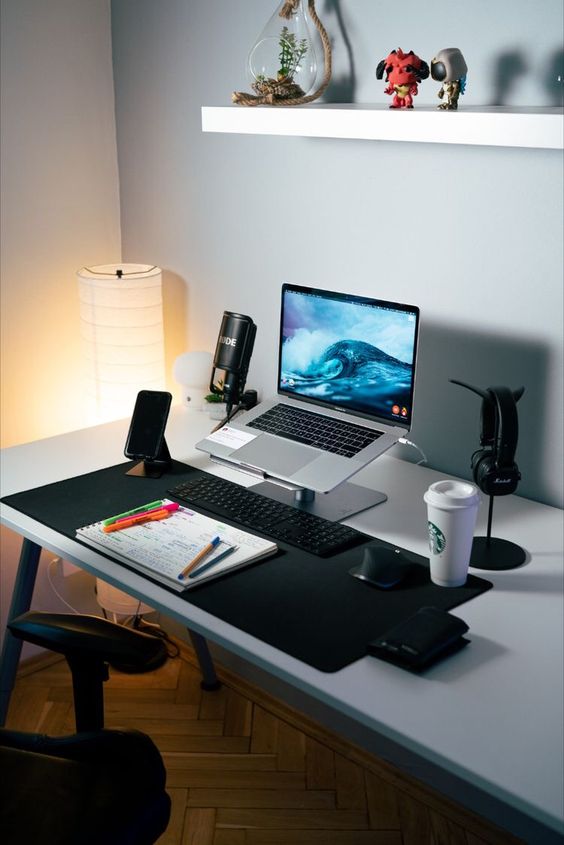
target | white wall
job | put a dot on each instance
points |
(60, 202)
(60, 211)
(472, 235)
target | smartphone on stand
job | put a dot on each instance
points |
(145, 440)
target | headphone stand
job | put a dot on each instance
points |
(492, 553)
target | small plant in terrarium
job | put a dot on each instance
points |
(292, 52)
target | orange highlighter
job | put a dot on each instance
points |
(151, 516)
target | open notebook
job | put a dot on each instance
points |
(163, 549)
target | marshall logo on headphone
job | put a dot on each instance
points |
(493, 465)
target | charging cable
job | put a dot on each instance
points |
(406, 442)
(51, 566)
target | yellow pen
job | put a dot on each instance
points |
(201, 554)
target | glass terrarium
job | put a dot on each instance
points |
(282, 63)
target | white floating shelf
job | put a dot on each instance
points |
(497, 126)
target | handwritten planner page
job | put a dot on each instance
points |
(163, 549)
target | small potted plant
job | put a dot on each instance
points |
(217, 409)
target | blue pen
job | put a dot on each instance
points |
(210, 563)
(201, 554)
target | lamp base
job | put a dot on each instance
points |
(495, 554)
(117, 602)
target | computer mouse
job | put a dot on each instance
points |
(383, 567)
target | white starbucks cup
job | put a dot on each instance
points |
(452, 509)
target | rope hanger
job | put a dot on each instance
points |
(284, 92)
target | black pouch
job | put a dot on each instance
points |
(421, 640)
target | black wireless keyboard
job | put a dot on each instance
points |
(258, 513)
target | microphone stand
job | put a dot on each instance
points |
(230, 413)
(492, 553)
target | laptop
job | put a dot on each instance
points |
(345, 386)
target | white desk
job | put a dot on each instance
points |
(490, 718)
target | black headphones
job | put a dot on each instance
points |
(493, 465)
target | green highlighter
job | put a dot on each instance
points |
(148, 507)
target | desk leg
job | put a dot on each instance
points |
(21, 602)
(209, 678)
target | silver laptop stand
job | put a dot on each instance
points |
(342, 502)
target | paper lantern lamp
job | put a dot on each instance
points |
(121, 324)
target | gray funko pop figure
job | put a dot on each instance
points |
(450, 68)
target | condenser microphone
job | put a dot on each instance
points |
(232, 355)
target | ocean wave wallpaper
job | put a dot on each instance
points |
(350, 354)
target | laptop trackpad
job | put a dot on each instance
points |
(275, 455)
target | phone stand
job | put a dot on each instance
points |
(155, 467)
(492, 553)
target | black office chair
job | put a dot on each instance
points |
(95, 786)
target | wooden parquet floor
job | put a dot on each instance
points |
(245, 769)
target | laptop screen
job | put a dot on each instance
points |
(347, 352)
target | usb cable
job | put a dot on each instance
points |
(405, 442)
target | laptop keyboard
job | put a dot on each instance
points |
(258, 513)
(331, 435)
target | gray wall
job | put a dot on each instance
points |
(472, 235)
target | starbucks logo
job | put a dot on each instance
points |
(437, 540)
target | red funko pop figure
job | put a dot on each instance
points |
(403, 73)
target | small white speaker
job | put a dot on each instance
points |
(192, 370)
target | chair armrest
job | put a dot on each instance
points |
(134, 750)
(104, 786)
(84, 636)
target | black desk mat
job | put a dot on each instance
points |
(308, 607)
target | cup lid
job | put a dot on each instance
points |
(452, 493)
